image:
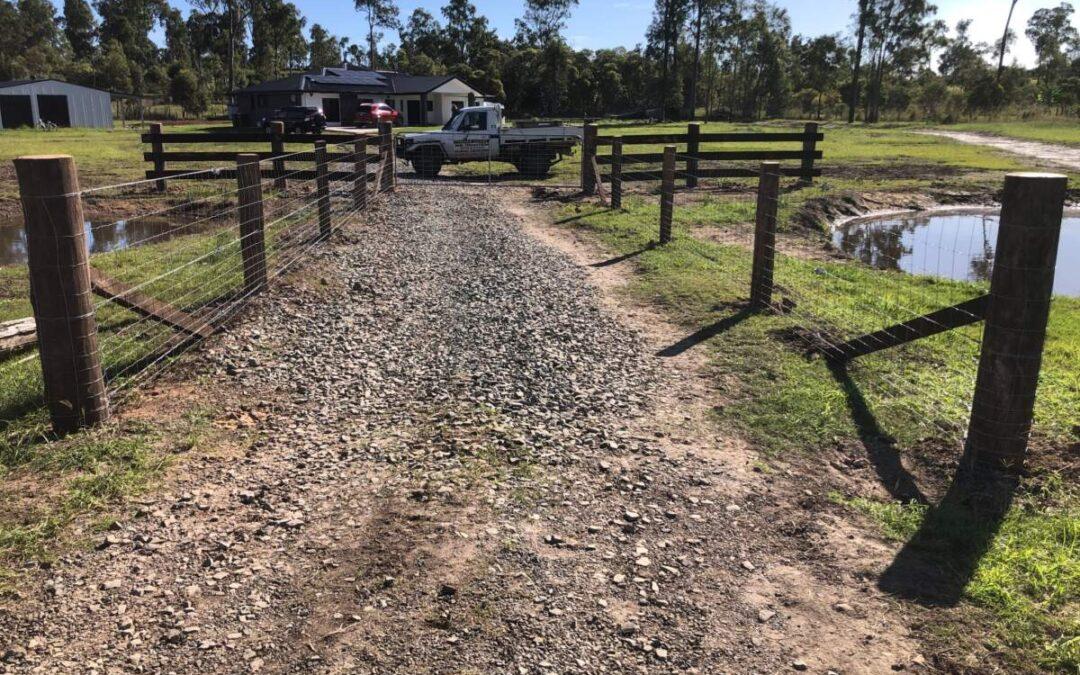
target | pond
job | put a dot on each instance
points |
(102, 237)
(952, 244)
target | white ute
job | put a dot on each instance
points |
(476, 134)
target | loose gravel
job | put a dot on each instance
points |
(458, 464)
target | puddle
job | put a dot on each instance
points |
(954, 244)
(102, 237)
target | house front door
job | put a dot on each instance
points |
(413, 113)
(331, 107)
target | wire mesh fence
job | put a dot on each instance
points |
(905, 314)
(177, 265)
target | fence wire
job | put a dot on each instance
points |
(183, 249)
(859, 291)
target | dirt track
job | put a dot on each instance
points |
(466, 457)
(1061, 156)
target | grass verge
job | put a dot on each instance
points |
(909, 402)
(1028, 578)
(65, 490)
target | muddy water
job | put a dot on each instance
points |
(102, 236)
(955, 245)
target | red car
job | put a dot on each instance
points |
(370, 114)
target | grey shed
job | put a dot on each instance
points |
(24, 103)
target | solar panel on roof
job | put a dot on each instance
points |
(354, 77)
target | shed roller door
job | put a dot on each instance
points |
(54, 108)
(15, 112)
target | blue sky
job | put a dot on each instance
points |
(609, 23)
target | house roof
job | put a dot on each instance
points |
(349, 80)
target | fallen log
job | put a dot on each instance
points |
(18, 334)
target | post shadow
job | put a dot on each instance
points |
(934, 567)
(936, 564)
(706, 333)
(880, 446)
(626, 256)
(580, 216)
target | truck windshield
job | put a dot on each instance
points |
(471, 120)
(453, 121)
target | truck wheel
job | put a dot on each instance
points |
(428, 162)
(535, 165)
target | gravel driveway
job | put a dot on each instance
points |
(460, 463)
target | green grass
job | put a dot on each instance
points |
(109, 156)
(1029, 576)
(81, 478)
(913, 399)
(1065, 132)
(918, 393)
(898, 520)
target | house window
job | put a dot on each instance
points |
(296, 99)
(430, 105)
(262, 101)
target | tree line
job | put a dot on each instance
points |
(721, 59)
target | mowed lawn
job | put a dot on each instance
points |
(111, 156)
(855, 157)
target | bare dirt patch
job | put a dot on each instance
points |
(810, 592)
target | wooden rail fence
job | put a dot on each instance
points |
(692, 156)
(160, 158)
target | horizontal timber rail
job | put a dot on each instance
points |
(275, 137)
(957, 316)
(248, 137)
(233, 156)
(689, 160)
(230, 174)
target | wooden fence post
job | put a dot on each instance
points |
(693, 147)
(386, 153)
(768, 198)
(61, 295)
(322, 186)
(667, 194)
(809, 149)
(360, 170)
(252, 236)
(588, 153)
(1021, 286)
(616, 173)
(277, 146)
(157, 147)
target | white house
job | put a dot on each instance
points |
(421, 99)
